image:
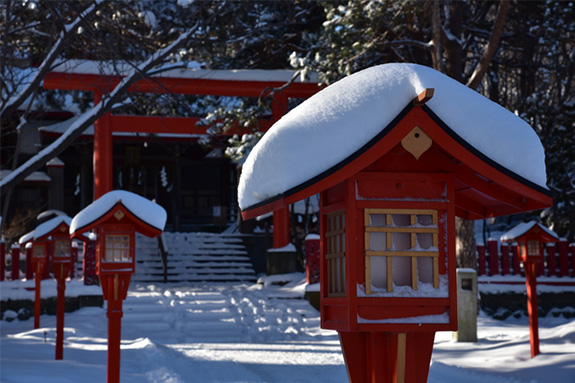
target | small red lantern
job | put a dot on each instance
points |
(38, 263)
(54, 234)
(115, 218)
(530, 237)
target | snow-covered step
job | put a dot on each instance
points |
(193, 257)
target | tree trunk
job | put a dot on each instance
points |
(465, 245)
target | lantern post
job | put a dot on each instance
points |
(388, 205)
(54, 235)
(115, 218)
(39, 253)
(530, 238)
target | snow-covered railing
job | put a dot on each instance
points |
(503, 259)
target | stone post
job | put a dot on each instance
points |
(466, 306)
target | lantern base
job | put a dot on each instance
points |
(386, 357)
(115, 285)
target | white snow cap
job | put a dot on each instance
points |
(337, 121)
(146, 210)
(50, 225)
(523, 228)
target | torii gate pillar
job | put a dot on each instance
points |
(103, 153)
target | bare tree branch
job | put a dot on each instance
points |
(491, 48)
(67, 35)
(104, 106)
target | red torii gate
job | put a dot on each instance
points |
(87, 76)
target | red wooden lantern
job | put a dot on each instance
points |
(38, 262)
(54, 234)
(530, 237)
(116, 217)
(388, 212)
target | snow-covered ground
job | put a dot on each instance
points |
(255, 333)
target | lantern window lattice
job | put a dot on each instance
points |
(335, 253)
(533, 248)
(401, 248)
(39, 251)
(117, 248)
(62, 248)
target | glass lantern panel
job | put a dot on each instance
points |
(379, 272)
(533, 248)
(425, 269)
(425, 220)
(401, 248)
(401, 271)
(377, 220)
(117, 248)
(424, 240)
(39, 251)
(377, 241)
(62, 249)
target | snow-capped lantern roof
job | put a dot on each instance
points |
(28, 237)
(120, 206)
(525, 229)
(496, 157)
(57, 225)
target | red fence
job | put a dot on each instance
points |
(504, 259)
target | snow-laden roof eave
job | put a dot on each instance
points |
(147, 214)
(523, 228)
(87, 67)
(306, 189)
(47, 227)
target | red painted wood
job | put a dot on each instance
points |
(169, 125)
(563, 250)
(551, 260)
(505, 263)
(281, 228)
(29, 268)
(39, 271)
(572, 248)
(371, 357)
(531, 285)
(91, 82)
(60, 306)
(481, 259)
(493, 257)
(516, 256)
(312, 256)
(15, 272)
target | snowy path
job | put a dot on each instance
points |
(225, 333)
(246, 333)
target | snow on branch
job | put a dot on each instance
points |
(107, 103)
(63, 41)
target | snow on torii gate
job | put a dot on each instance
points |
(100, 78)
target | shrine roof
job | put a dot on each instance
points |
(48, 226)
(523, 228)
(143, 209)
(337, 123)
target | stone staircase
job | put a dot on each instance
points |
(193, 257)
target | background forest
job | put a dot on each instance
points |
(520, 54)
